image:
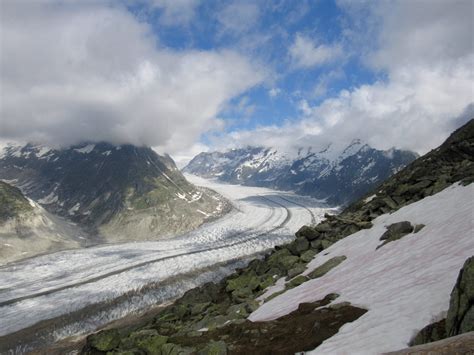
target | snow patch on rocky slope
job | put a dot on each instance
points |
(404, 284)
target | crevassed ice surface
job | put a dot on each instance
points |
(49, 286)
(405, 285)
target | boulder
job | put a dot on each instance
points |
(238, 311)
(307, 232)
(307, 256)
(297, 281)
(326, 267)
(298, 246)
(460, 318)
(174, 349)
(418, 228)
(199, 308)
(104, 340)
(149, 340)
(214, 348)
(298, 269)
(397, 230)
(432, 332)
(320, 244)
(323, 227)
(282, 259)
(248, 280)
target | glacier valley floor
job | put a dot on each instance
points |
(75, 292)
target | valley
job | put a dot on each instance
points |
(81, 290)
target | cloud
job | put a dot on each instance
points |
(74, 71)
(176, 12)
(274, 92)
(424, 51)
(325, 79)
(238, 17)
(305, 53)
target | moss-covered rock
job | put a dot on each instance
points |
(149, 340)
(199, 308)
(396, 231)
(214, 348)
(248, 280)
(432, 332)
(104, 340)
(460, 318)
(298, 246)
(298, 269)
(307, 232)
(307, 256)
(326, 267)
(174, 349)
(297, 281)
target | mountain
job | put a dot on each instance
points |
(116, 193)
(392, 269)
(27, 229)
(338, 174)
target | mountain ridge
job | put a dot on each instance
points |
(338, 175)
(117, 192)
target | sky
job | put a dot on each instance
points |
(186, 76)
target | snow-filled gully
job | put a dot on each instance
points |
(81, 290)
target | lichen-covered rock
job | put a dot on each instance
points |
(460, 318)
(149, 340)
(326, 267)
(238, 311)
(432, 332)
(297, 281)
(307, 256)
(174, 349)
(298, 246)
(396, 231)
(308, 232)
(104, 340)
(214, 348)
(248, 280)
(298, 269)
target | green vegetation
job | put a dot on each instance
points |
(12, 202)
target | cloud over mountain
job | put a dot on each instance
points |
(74, 71)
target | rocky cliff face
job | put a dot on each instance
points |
(460, 318)
(338, 174)
(118, 192)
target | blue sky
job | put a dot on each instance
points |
(185, 76)
(268, 29)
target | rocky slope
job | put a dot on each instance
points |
(27, 229)
(338, 174)
(116, 192)
(213, 318)
(460, 316)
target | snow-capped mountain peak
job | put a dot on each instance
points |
(336, 172)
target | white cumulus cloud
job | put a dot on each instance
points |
(306, 54)
(424, 50)
(75, 71)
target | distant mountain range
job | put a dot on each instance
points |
(338, 174)
(114, 193)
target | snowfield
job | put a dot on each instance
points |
(54, 285)
(405, 285)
